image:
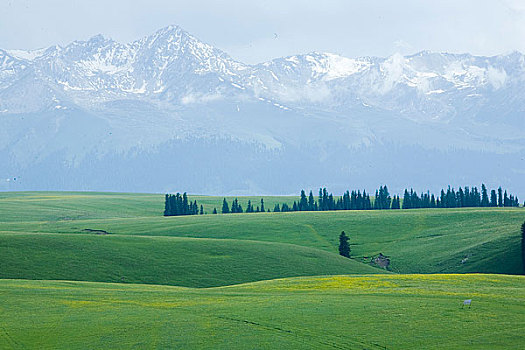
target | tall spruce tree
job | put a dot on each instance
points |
(344, 246)
(493, 198)
(311, 201)
(167, 208)
(249, 207)
(484, 196)
(225, 206)
(303, 202)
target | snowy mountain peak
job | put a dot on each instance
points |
(171, 64)
(171, 100)
(28, 55)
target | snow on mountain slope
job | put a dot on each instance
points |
(90, 100)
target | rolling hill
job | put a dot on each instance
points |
(107, 270)
(417, 241)
(336, 312)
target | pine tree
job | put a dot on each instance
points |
(406, 200)
(493, 198)
(276, 208)
(484, 196)
(311, 201)
(202, 210)
(500, 197)
(344, 246)
(195, 208)
(214, 210)
(185, 204)
(303, 202)
(167, 208)
(262, 205)
(225, 207)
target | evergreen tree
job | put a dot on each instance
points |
(493, 199)
(195, 208)
(395, 203)
(461, 198)
(167, 207)
(236, 207)
(344, 246)
(225, 207)
(249, 207)
(484, 196)
(202, 210)
(303, 202)
(406, 200)
(326, 204)
(262, 205)
(214, 210)
(276, 208)
(311, 201)
(500, 197)
(185, 204)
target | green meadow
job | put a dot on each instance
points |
(337, 312)
(107, 270)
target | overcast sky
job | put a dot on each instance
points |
(255, 31)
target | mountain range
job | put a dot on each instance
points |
(169, 112)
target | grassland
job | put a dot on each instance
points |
(177, 261)
(337, 312)
(417, 241)
(178, 278)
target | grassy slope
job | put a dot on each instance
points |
(372, 312)
(418, 241)
(177, 261)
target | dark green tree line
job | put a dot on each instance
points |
(177, 204)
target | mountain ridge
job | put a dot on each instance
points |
(89, 99)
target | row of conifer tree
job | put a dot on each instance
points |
(356, 200)
(177, 204)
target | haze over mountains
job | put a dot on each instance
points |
(171, 113)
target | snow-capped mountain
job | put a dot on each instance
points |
(99, 104)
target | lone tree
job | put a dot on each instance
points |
(344, 246)
(523, 246)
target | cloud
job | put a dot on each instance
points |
(392, 69)
(496, 77)
(193, 98)
(314, 93)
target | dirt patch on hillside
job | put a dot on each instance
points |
(98, 232)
